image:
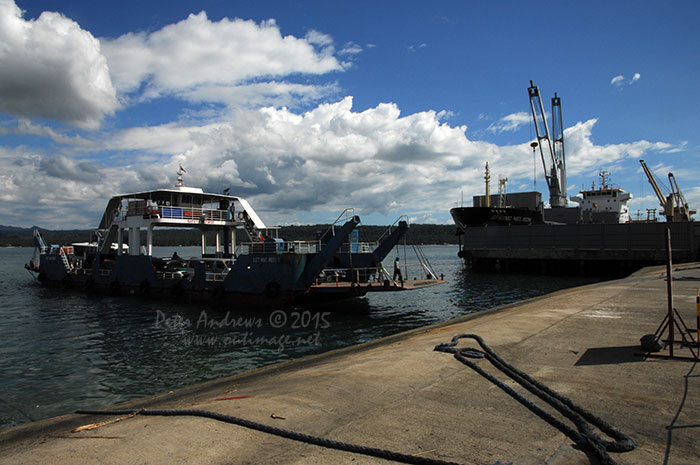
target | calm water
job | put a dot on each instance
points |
(64, 350)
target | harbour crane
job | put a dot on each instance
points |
(551, 148)
(675, 207)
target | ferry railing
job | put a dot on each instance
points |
(217, 277)
(278, 247)
(356, 275)
(376, 275)
(176, 213)
(390, 229)
(346, 214)
(357, 247)
(64, 258)
(169, 275)
(193, 213)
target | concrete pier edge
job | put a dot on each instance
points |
(194, 392)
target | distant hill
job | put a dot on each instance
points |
(4, 228)
(417, 234)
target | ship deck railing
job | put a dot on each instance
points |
(176, 213)
(300, 247)
(278, 247)
(215, 277)
(169, 275)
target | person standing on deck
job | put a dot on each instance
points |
(397, 269)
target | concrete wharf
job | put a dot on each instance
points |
(397, 393)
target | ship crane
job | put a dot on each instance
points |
(682, 212)
(675, 207)
(551, 148)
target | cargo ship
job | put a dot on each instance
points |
(516, 233)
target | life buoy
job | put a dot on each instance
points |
(272, 290)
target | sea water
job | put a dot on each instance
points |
(62, 350)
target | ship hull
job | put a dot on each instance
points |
(465, 217)
(583, 249)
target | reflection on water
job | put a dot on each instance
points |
(64, 350)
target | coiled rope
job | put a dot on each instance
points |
(583, 435)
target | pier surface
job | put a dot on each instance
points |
(397, 393)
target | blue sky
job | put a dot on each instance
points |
(389, 107)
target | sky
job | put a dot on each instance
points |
(308, 108)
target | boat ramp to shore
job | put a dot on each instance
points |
(397, 393)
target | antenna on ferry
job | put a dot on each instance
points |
(180, 172)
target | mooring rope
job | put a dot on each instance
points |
(584, 436)
(285, 433)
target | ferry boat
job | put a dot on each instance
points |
(249, 264)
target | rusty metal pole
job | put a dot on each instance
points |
(697, 315)
(669, 290)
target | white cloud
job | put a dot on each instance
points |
(272, 93)
(582, 154)
(617, 79)
(414, 48)
(318, 38)
(288, 164)
(621, 81)
(350, 48)
(510, 122)
(201, 59)
(51, 68)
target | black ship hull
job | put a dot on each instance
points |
(480, 216)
